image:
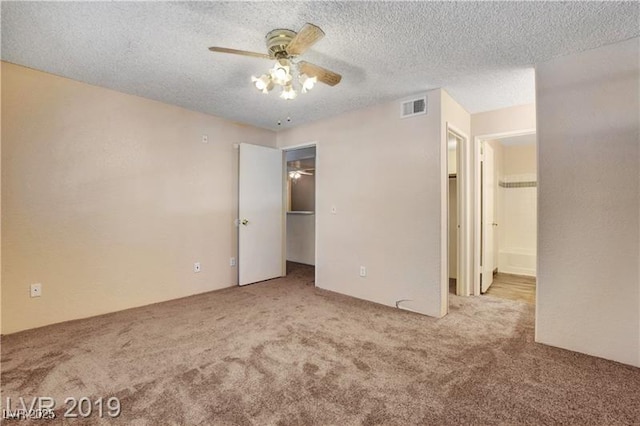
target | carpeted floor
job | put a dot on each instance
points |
(284, 352)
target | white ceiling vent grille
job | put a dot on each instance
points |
(414, 107)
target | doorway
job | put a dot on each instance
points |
(457, 269)
(453, 143)
(300, 175)
(508, 217)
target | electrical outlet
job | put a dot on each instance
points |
(36, 290)
(232, 261)
(363, 271)
(205, 139)
(196, 267)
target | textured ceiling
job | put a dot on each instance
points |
(482, 53)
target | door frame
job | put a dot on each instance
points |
(464, 219)
(476, 181)
(284, 207)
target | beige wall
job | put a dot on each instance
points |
(303, 193)
(452, 166)
(383, 175)
(589, 202)
(108, 199)
(513, 119)
(520, 160)
(301, 238)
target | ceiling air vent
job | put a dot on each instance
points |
(414, 107)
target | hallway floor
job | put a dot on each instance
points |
(508, 286)
(513, 287)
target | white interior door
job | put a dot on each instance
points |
(488, 216)
(260, 244)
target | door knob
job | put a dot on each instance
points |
(245, 222)
(494, 224)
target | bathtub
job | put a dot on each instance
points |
(517, 261)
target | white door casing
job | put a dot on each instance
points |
(260, 210)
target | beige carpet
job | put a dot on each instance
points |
(284, 352)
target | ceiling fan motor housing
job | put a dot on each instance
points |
(277, 42)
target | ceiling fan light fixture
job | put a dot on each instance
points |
(281, 72)
(262, 83)
(288, 92)
(307, 82)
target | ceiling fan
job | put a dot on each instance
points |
(297, 169)
(294, 175)
(284, 46)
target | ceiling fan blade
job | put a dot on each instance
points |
(324, 75)
(239, 52)
(308, 35)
